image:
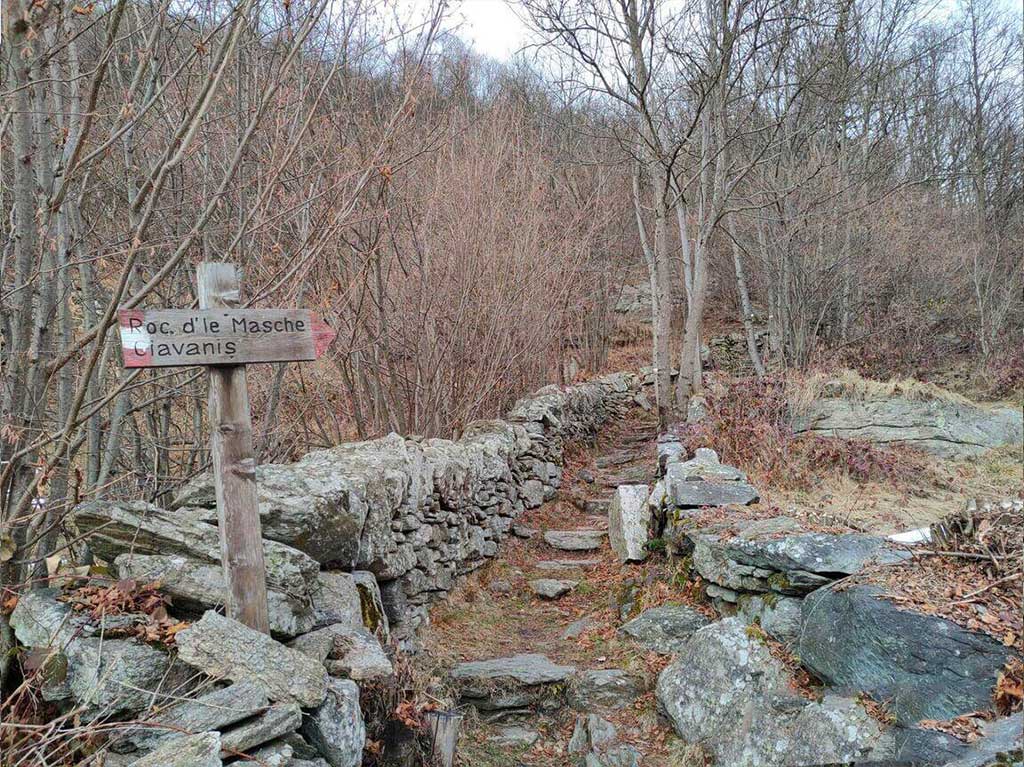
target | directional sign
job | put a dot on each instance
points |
(176, 337)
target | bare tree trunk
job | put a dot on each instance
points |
(745, 308)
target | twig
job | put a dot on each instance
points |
(973, 594)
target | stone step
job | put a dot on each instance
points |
(575, 540)
(561, 565)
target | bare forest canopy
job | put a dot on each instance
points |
(847, 171)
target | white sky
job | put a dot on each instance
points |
(490, 26)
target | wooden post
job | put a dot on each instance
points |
(234, 466)
(444, 736)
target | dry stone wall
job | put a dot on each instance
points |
(418, 513)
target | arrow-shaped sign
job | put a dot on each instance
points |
(177, 337)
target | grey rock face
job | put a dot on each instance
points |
(692, 494)
(575, 540)
(665, 629)
(726, 693)
(275, 754)
(202, 750)
(345, 650)
(199, 586)
(704, 465)
(520, 681)
(1002, 742)
(795, 564)
(604, 689)
(630, 520)
(214, 710)
(222, 647)
(336, 727)
(951, 429)
(336, 600)
(550, 588)
(115, 528)
(593, 744)
(280, 719)
(927, 667)
(515, 737)
(779, 616)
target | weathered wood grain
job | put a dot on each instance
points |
(234, 467)
(220, 336)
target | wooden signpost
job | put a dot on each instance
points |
(225, 339)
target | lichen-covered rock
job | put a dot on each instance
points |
(726, 693)
(695, 494)
(925, 667)
(349, 651)
(113, 528)
(196, 586)
(222, 647)
(335, 727)
(951, 428)
(795, 564)
(575, 540)
(604, 689)
(630, 520)
(665, 629)
(201, 750)
(779, 616)
(704, 465)
(280, 719)
(550, 588)
(520, 681)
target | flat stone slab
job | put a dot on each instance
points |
(629, 522)
(559, 565)
(575, 540)
(222, 647)
(695, 494)
(526, 669)
(515, 737)
(550, 588)
(925, 666)
(604, 689)
(202, 750)
(704, 465)
(665, 629)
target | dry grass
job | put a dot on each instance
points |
(802, 390)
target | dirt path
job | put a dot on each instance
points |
(495, 614)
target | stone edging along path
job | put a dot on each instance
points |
(416, 513)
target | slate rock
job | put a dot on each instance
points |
(604, 689)
(1002, 742)
(222, 647)
(726, 693)
(925, 666)
(196, 586)
(280, 719)
(575, 629)
(202, 750)
(694, 494)
(214, 710)
(344, 650)
(519, 681)
(705, 465)
(779, 616)
(630, 520)
(665, 629)
(524, 532)
(561, 565)
(948, 428)
(335, 728)
(550, 588)
(277, 753)
(113, 528)
(575, 540)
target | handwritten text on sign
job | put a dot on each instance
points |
(175, 337)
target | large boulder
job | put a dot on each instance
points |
(727, 694)
(222, 647)
(630, 520)
(950, 427)
(925, 667)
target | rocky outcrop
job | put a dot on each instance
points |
(948, 427)
(726, 693)
(925, 667)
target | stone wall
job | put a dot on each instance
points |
(418, 513)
